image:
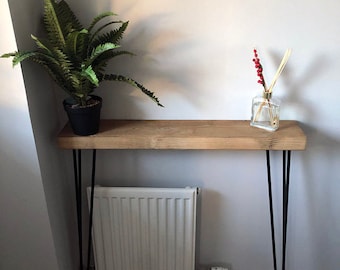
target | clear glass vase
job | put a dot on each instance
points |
(265, 112)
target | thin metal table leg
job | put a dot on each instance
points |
(91, 208)
(286, 174)
(77, 180)
(271, 209)
(78, 185)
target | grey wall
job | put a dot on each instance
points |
(40, 215)
(26, 240)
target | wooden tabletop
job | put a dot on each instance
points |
(186, 134)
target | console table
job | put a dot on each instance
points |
(185, 135)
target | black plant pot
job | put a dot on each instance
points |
(84, 120)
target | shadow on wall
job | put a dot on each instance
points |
(296, 85)
(161, 63)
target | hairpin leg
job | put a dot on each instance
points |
(91, 207)
(78, 186)
(271, 209)
(286, 173)
(77, 180)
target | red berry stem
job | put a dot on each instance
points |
(259, 69)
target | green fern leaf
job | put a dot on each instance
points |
(113, 36)
(103, 48)
(99, 17)
(104, 26)
(132, 82)
(21, 56)
(90, 75)
(52, 25)
(75, 45)
(99, 50)
(8, 55)
(68, 20)
(41, 45)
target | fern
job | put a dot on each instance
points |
(132, 82)
(41, 45)
(52, 25)
(103, 27)
(114, 36)
(68, 20)
(99, 18)
(76, 57)
(18, 56)
(100, 49)
(75, 45)
(90, 75)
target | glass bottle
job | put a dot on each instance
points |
(265, 112)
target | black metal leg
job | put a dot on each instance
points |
(91, 208)
(78, 184)
(77, 179)
(285, 196)
(271, 209)
(286, 174)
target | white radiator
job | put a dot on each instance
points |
(144, 228)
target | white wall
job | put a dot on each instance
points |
(197, 56)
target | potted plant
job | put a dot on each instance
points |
(76, 58)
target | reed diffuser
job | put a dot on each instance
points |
(265, 108)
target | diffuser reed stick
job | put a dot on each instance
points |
(280, 69)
